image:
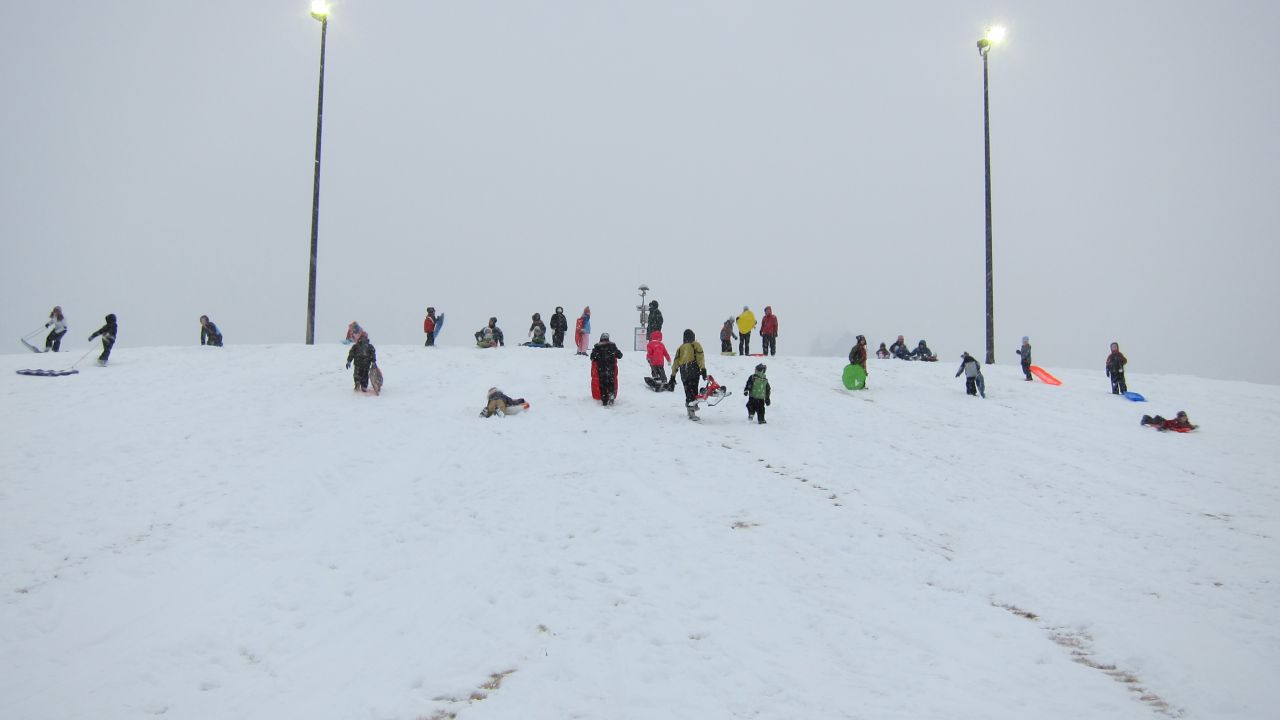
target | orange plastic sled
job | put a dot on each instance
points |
(1044, 376)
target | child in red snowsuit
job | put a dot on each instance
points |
(657, 355)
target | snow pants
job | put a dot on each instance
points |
(689, 376)
(1026, 368)
(431, 339)
(744, 343)
(54, 341)
(658, 373)
(1117, 382)
(755, 408)
(971, 385)
(107, 344)
(607, 376)
(770, 343)
(725, 345)
(362, 374)
(584, 343)
(557, 338)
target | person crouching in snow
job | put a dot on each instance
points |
(500, 404)
(605, 356)
(490, 335)
(658, 357)
(692, 365)
(973, 382)
(364, 356)
(757, 392)
(209, 334)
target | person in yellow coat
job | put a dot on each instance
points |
(746, 323)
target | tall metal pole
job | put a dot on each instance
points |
(986, 136)
(315, 194)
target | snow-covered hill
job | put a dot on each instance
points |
(207, 534)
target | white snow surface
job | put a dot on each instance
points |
(234, 533)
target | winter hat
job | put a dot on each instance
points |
(656, 335)
(431, 311)
(745, 308)
(1025, 339)
(586, 310)
(604, 337)
(559, 309)
(111, 317)
(760, 367)
(493, 321)
(768, 309)
(653, 303)
(688, 335)
(537, 317)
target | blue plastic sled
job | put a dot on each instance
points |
(1136, 397)
(48, 373)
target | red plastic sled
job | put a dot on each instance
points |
(1044, 376)
(595, 383)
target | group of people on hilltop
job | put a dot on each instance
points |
(899, 351)
(744, 324)
(58, 327)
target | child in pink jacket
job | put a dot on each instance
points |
(657, 355)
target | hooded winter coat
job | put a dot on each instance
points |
(656, 352)
(769, 324)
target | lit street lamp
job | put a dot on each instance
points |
(993, 37)
(319, 11)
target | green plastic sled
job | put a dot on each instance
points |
(854, 378)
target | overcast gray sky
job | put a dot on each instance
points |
(503, 157)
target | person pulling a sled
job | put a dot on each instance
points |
(758, 394)
(500, 404)
(364, 356)
(605, 356)
(692, 366)
(1115, 370)
(53, 342)
(108, 333)
(973, 381)
(209, 334)
(1024, 352)
(658, 357)
(353, 333)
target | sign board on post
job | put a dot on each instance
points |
(642, 342)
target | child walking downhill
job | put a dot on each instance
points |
(1024, 352)
(758, 394)
(364, 356)
(973, 382)
(108, 333)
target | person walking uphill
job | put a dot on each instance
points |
(209, 334)
(692, 366)
(746, 323)
(1024, 352)
(657, 355)
(559, 324)
(582, 331)
(604, 357)
(973, 382)
(769, 332)
(108, 333)
(1115, 370)
(364, 356)
(59, 324)
(757, 392)
(654, 323)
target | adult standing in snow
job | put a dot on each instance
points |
(654, 318)
(692, 365)
(59, 324)
(973, 382)
(746, 323)
(537, 330)
(429, 326)
(582, 331)
(758, 394)
(209, 334)
(769, 332)
(1024, 352)
(364, 356)
(108, 333)
(559, 325)
(605, 356)
(727, 336)
(1115, 370)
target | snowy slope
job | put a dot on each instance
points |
(202, 533)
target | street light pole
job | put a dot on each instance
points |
(319, 11)
(993, 36)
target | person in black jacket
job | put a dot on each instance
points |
(537, 331)
(1115, 370)
(559, 326)
(108, 334)
(209, 334)
(490, 335)
(655, 320)
(1024, 352)
(364, 356)
(605, 355)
